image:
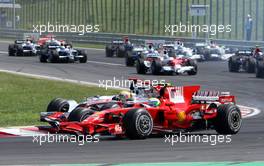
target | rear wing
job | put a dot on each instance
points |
(155, 42)
(191, 94)
(31, 36)
(118, 42)
(19, 41)
(53, 47)
(213, 96)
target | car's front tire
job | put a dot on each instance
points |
(58, 105)
(138, 124)
(79, 114)
(84, 58)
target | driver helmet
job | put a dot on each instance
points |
(150, 47)
(125, 95)
(257, 49)
(154, 102)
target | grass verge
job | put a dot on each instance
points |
(23, 98)
(75, 44)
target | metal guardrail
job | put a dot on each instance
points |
(139, 16)
(104, 38)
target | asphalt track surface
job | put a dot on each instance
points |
(247, 145)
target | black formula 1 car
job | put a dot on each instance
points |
(120, 48)
(260, 65)
(23, 48)
(54, 52)
(242, 60)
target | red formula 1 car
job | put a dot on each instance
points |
(49, 38)
(175, 109)
(157, 63)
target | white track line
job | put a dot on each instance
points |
(60, 79)
(94, 62)
(254, 113)
(23, 132)
(105, 63)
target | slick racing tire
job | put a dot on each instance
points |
(156, 67)
(54, 57)
(42, 58)
(58, 105)
(232, 65)
(121, 52)
(19, 51)
(228, 120)
(84, 58)
(140, 66)
(109, 106)
(11, 50)
(195, 67)
(138, 124)
(129, 59)
(260, 69)
(108, 51)
(251, 65)
(207, 55)
(79, 114)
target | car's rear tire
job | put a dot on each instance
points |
(121, 52)
(156, 67)
(195, 67)
(129, 59)
(260, 69)
(42, 58)
(11, 50)
(228, 120)
(232, 65)
(58, 105)
(140, 66)
(19, 51)
(54, 57)
(108, 51)
(251, 65)
(79, 114)
(138, 124)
